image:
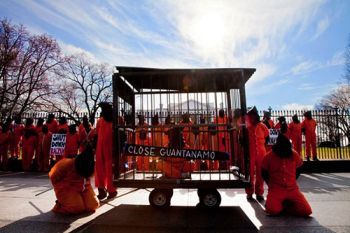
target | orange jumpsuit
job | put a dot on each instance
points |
(29, 145)
(143, 161)
(309, 126)
(63, 127)
(74, 193)
(257, 136)
(104, 173)
(83, 136)
(18, 130)
(53, 126)
(271, 123)
(72, 145)
(223, 137)
(296, 136)
(4, 145)
(283, 187)
(43, 151)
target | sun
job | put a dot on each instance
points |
(208, 30)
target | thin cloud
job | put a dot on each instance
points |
(322, 26)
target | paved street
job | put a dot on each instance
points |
(26, 200)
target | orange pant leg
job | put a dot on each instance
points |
(27, 157)
(298, 205)
(274, 201)
(256, 180)
(90, 200)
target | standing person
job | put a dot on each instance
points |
(62, 125)
(29, 144)
(223, 136)
(72, 142)
(295, 134)
(257, 133)
(142, 138)
(4, 146)
(308, 126)
(186, 122)
(70, 179)
(268, 121)
(52, 123)
(83, 132)
(39, 125)
(43, 149)
(104, 174)
(18, 132)
(280, 168)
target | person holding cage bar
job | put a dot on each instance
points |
(142, 138)
(257, 134)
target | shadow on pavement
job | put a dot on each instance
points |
(142, 218)
(44, 222)
(287, 224)
(323, 183)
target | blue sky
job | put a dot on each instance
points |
(296, 46)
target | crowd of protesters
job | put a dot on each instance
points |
(277, 165)
(31, 142)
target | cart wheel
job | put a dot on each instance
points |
(160, 198)
(209, 198)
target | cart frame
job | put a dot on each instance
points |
(127, 83)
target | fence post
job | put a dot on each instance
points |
(338, 132)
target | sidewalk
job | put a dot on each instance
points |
(25, 206)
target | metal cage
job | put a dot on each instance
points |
(180, 128)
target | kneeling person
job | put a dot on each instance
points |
(71, 181)
(280, 169)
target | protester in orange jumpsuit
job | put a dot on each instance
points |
(4, 146)
(267, 120)
(176, 167)
(104, 173)
(72, 142)
(43, 149)
(52, 123)
(71, 182)
(295, 134)
(308, 126)
(83, 131)
(223, 136)
(39, 125)
(167, 125)
(29, 144)
(142, 138)
(257, 133)
(237, 147)
(186, 122)
(62, 125)
(280, 169)
(18, 132)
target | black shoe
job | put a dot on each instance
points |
(250, 198)
(102, 194)
(308, 159)
(315, 159)
(260, 198)
(112, 195)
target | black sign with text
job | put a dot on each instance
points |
(140, 150)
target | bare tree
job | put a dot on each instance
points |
(27, 64)
(83, 85)
(338, 101)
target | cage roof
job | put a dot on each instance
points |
(184, 80)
